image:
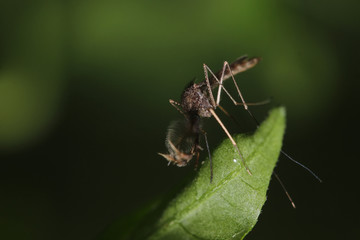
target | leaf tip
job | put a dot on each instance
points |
(280, 111)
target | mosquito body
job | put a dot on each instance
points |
(197, 102)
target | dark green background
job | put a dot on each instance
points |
(84, 89)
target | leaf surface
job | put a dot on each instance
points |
(227, 208)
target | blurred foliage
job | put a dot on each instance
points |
(135, 46)
(31, 72)
(84, 85)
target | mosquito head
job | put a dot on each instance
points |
(182, 140)
(180, 159)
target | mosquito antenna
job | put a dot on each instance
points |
(302, 165)
(283, 187)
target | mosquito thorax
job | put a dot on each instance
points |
(194, 99)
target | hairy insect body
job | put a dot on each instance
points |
(182, 139)
(195, 101)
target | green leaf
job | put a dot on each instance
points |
(229, 206)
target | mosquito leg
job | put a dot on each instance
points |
(197, 160)
(237, 87)
(220, 85)
(277, 177)
(210, 158)
(283, 187)
(206, 68)
(219, 82)
(257, 103)
(249, 104)
(229, 115)
(258, 124)
(241, 64)
(243, 103)
(196, 151)
(301, 165)
(230, 137)
(177, 106)
(228, 71)
(281, 151)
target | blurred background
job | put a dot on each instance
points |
(84, 89)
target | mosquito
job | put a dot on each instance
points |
(197, 102)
